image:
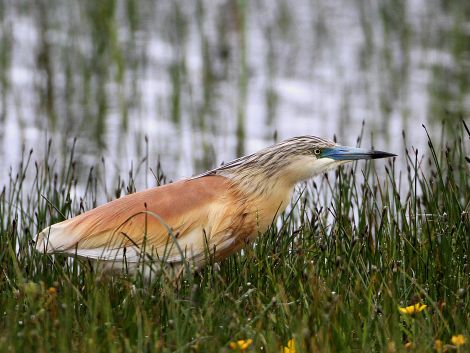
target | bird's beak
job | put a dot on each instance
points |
(344, 153)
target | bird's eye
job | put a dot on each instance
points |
(317, 151)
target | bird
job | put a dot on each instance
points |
(205, 217)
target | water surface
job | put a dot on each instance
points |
(195, 83)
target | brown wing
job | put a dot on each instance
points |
(186, 210)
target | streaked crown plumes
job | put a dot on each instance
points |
(269, 162)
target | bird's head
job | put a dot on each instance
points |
(306, 156)
(291, 161)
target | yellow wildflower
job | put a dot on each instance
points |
(412, 309)
(241, 345)
(458, 340)
(409, 345)
(438, 345)
(290, 347)
(52, 291)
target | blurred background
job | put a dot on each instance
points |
(193, 83)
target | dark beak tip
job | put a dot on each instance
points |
(380, 154)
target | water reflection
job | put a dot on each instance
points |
(206, 81)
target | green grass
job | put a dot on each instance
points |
(357, 245)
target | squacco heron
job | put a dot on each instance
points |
(215, 213)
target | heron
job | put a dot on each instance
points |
(215, 213)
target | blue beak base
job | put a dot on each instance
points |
(343, 153)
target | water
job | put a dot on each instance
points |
(206, 81)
